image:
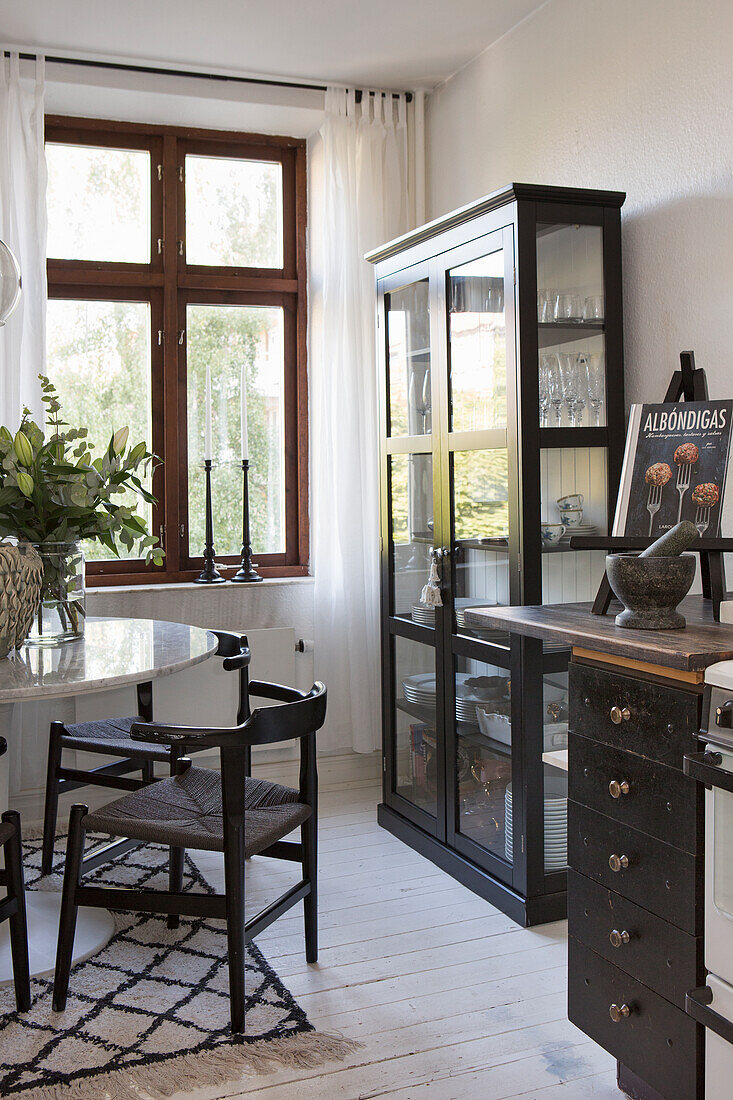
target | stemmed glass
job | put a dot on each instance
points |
(544, 380)
(569, 376)
(580, 366)
(596, 386)
(555, 386)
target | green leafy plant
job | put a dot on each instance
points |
(54, 490)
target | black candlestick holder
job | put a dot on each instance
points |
(210, 574)
(246, 572)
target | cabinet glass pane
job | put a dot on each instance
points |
(574, 496)
(408, 360)
(483, 755)
(555, 780)
(411, 522)
(570, 314)
(477, 336)
(480, 496)
(415, 723)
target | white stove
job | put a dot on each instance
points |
(712, 1005)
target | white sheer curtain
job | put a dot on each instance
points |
(364, 202)
(23, 228)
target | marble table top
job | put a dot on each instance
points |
(112, 653)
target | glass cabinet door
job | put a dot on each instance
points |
(480, 471)
(413, 650)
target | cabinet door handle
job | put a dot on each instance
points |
(619, 1013)
(619, 715)
(618, 939)
(618, 863)
(616, 788)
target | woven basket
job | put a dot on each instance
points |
(21, 574)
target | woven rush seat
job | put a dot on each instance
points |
(112, 735)
(186, 810)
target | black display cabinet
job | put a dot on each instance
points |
(501, 393)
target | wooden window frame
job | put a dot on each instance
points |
(168, 283)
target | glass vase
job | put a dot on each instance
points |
(61, 611)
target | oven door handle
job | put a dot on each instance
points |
(705, 768)
(697, 1005)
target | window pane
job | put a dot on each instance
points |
(98, 203)
(99, 361)
(234, 212)
(227, 337)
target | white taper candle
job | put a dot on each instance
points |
(208, 446)
(243, 395)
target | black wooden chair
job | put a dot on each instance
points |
(228, 812)
(111, 737)
(12, 907)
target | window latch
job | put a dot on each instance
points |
(161, 536)
(161, 336)
(181, 335)
(180, 248)
(161, 242)
(160, 171)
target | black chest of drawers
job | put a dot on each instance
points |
(635, 884)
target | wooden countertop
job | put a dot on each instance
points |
(701, 643)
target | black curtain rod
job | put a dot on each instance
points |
(155, 71)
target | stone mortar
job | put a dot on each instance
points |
(650, 589)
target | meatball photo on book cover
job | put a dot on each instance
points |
(674, 468)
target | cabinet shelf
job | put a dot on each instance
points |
(555, 333)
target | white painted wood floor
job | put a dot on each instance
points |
(449, 997)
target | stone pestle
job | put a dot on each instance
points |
(672, 542)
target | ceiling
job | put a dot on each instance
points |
(386, 43)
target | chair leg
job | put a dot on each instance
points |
(148, 770)
(234, 887)
(176, 855)
(67, 920)
(18, 924)
(175, 880)
(309, 842)
(50, 812)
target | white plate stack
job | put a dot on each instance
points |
(556, 823)
(423, 615)
(587, 529)
(420, 689)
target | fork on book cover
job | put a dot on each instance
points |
(702, 518)
(684, 475)
(653, 504)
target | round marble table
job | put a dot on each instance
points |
(113, 653)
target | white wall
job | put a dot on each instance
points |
(632, 95)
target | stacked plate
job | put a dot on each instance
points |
(586, 529)
(423, 615)
(420, 689)
(556, 823)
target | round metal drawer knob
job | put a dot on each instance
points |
(616, 788)
(619, 715)
(619, 1013)
(618, 863)
(618, 939)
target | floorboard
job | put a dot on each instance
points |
(450, 999)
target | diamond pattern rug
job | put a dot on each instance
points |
(149, 1013)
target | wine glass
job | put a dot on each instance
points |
(581, 368)
(569, 377)
(596, 386)
(555, 386)
(544, 381)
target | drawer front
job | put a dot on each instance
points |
(662, 722)
(656, 953)
(658, 877)
(652, 797)
(656, 1041)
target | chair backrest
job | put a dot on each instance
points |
(301, 713)
(234, 648)
(300, 717)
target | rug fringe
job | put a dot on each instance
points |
(223, 1065)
